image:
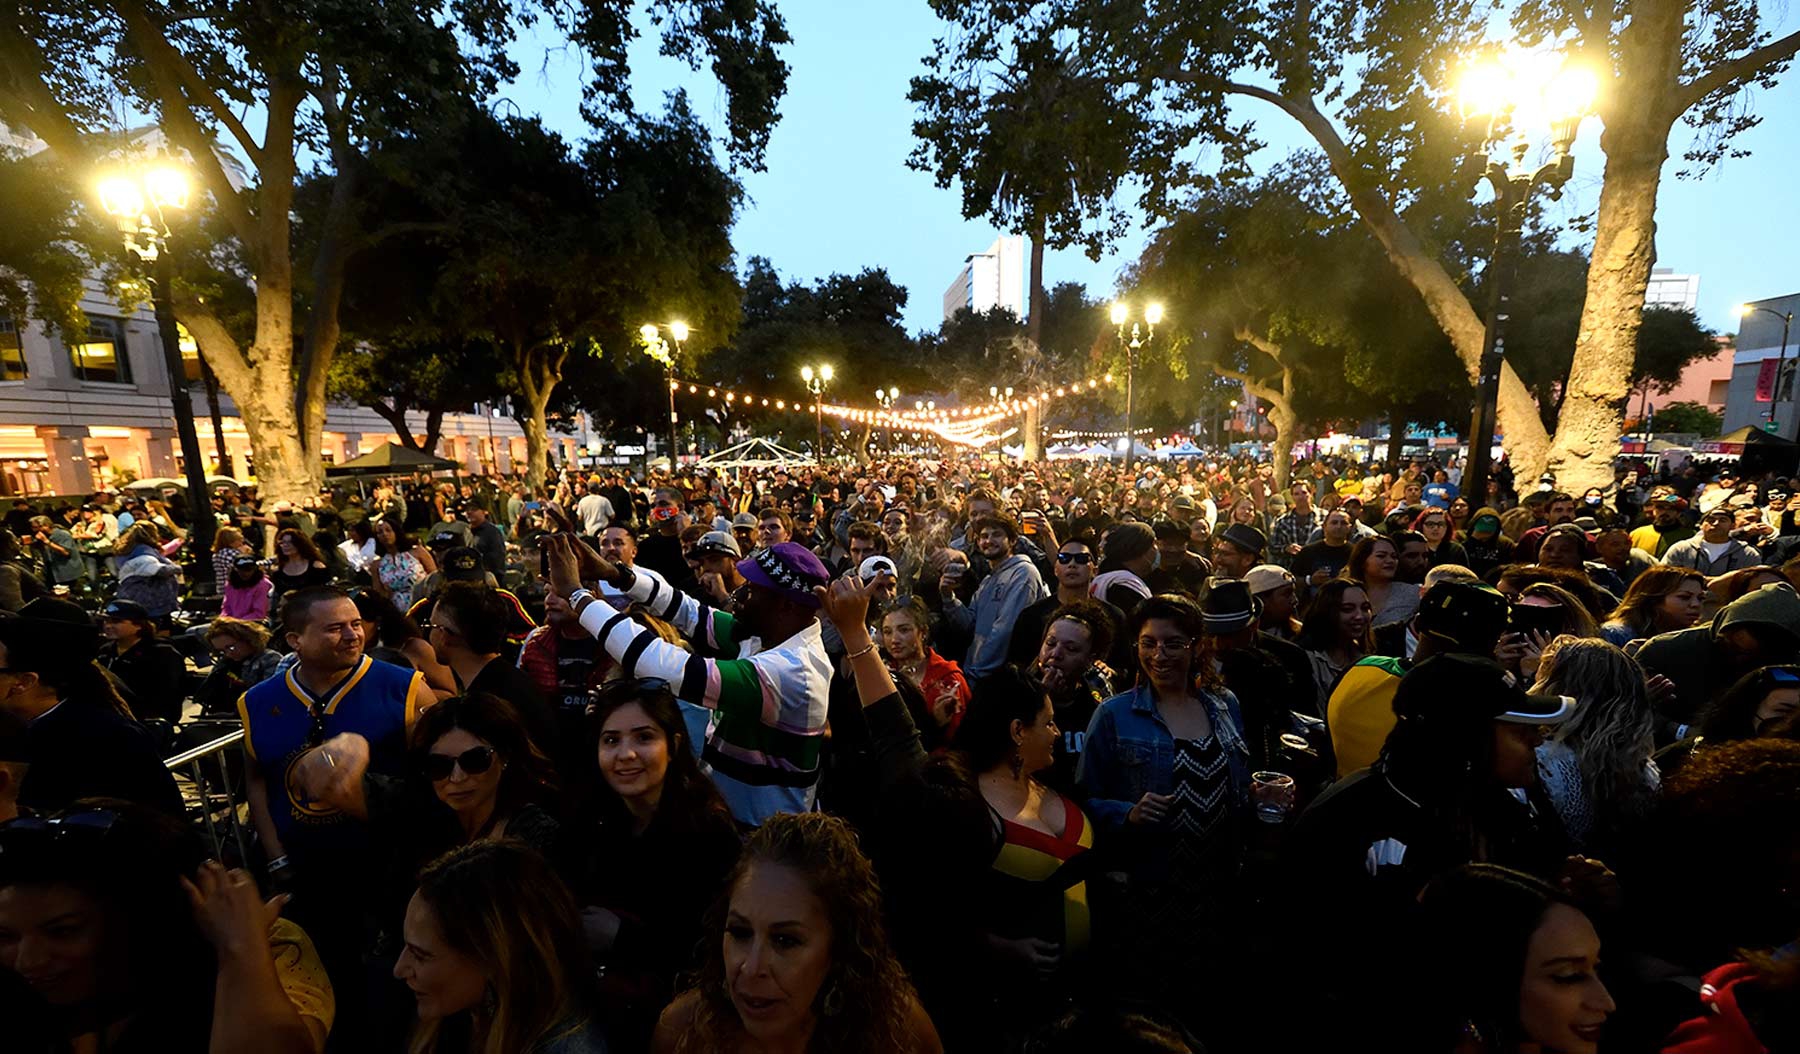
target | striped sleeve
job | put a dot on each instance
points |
(696, 619)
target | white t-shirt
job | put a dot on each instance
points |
(595, 512)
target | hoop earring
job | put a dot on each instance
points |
(833, 1003)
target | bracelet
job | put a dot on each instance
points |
(860, 654)
(583, 593)
(278, 863)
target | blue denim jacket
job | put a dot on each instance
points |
(1129, 752)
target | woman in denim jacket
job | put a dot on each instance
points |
(1165, 769)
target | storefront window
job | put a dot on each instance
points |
(12, 356)
(102, 357)
(190, 354)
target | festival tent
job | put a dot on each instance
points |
(754, 453)
(1185, 449)
(392, 459)
(1759, 449)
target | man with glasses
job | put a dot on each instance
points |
(468, 633)
(1076, 564)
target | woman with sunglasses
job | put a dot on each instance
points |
(1440, 534)
(130, 940)
(658, 843)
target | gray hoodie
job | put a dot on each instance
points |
(1003, 595)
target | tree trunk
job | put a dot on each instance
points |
(539, 369)
(434, 427)
(1287, 429)
(282, 465)
(1587, 430)
(1034, 332)
(1396, 438)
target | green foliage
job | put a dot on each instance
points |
(42, 260)
(1686, 418)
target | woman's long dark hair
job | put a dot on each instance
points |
(1359, 556)
(529, 777)
(133, 870)
(1481, 918)
(1732, 716)
(1319, 629)
(690, 801)
(303, 546)
(403, 542)
(393, 627)
(997, 700)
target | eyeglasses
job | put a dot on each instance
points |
(1074, 558)
(473, 761)
(1172, 646)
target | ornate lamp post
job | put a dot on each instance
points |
(816, 382)
(141, 200)
(1518, 96)
(1140, 337)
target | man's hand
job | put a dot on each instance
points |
(846, 603)
(714, 586)
(1152, 808)
(1293, 549)
(333, 771)
(229, 910)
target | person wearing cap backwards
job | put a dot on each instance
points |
(1667, 526)
(1715, 552)
(717, 554)
(1460, 617)
(771, 703)
(1455, 783)
(82, 741)
(1012, 585)
(149, 667)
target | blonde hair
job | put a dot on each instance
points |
(250, 633)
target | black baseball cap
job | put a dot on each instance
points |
(1467, 616)
(463, 564)
(125, 611)
(1457, 685)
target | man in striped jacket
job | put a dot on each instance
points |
(771, 701)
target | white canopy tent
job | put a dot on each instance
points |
(754, 453)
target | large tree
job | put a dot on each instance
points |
(555, 258)
(329, 80)
(1369, 85)
(1037, 147)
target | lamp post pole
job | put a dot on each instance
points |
(138, 201)
(1500, 91)
(1140, 337)
(816, 380)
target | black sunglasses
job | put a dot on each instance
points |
(1074, 558)
(474, 762)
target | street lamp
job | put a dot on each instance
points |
(816, 380)
(141, 199)
(658, 348)
(885, 398)
(1524, 100)
(1787, 320)
(1141, 336)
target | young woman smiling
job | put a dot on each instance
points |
(1335, 633)
(659, 847)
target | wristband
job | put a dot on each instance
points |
(580, 594)
(278, 863)
(864, 651)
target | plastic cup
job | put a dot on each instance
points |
(1273, 795)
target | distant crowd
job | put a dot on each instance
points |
(912, 756)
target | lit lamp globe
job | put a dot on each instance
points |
(648, 332)
(1153, 314)
(1119, 314)
(121, 196)
(679, 331)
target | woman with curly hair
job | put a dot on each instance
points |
(1597, 767)
(1763, 703)
(1662, 599)
(797, 957)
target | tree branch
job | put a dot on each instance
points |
(28, 101)
(218, 348)
(193, 84)
(1741, 68)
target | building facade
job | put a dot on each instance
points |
(1762, 368)
(992, 278)
(1668, 289)
(91, 410)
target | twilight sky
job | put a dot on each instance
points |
(837, 195)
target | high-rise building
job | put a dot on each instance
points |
(992, 278)
(1668, 289)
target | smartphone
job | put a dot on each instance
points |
(1532, 618)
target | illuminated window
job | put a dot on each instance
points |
(190, 354)
(102, 357)
(12, 356)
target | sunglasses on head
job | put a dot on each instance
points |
(473, 761)
(1784, 674)
(1074, 558)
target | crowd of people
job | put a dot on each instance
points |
(907, 756)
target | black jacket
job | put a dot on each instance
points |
(152, 671)
(84, 749)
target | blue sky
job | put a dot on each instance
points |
(837, 195)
